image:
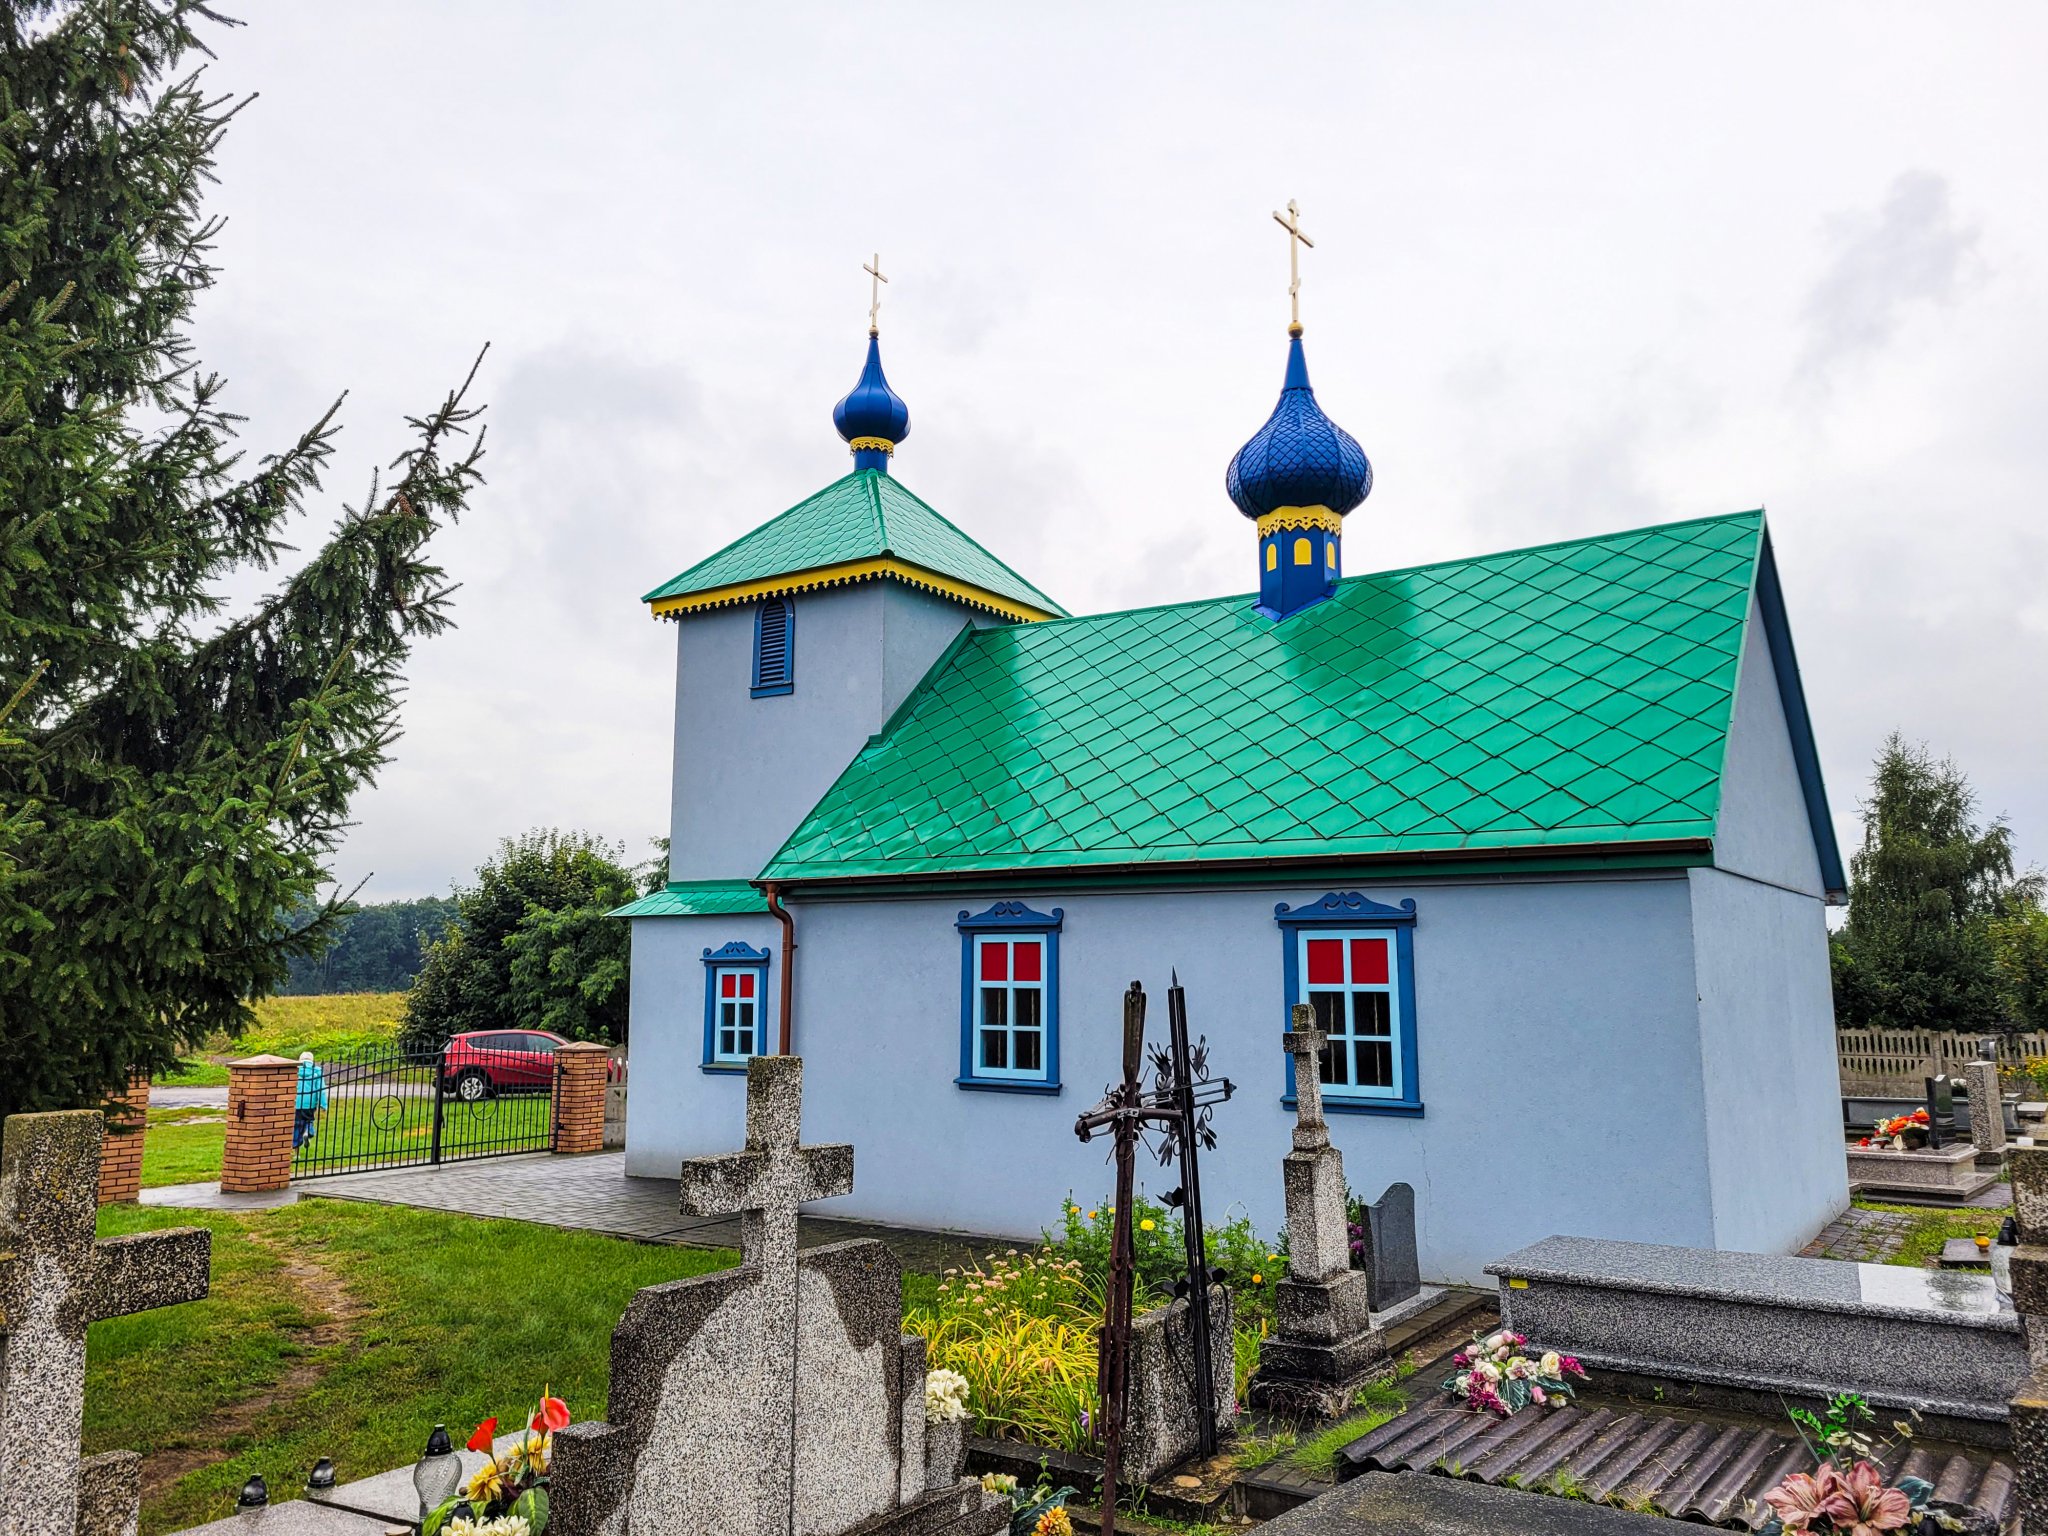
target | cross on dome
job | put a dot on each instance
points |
(1296, 239)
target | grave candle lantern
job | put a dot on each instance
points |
(439, 1472)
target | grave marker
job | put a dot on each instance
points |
(56, 1280)
(1393, 1262)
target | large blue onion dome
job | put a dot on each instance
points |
(872, 418)
(1299, 458)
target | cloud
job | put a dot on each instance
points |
(1908, 252)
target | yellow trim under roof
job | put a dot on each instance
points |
(839, 575)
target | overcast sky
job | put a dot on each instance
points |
(1578, 267)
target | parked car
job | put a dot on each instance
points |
(485, 1062)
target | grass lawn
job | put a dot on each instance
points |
(285, 1026)
(178, 1151)
(345, 1330)
(1934, 1226)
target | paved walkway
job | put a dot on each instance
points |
(591, 1194)
(1863, 1237)
(161, 1097)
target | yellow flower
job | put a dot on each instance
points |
(1258, 1279)
(487, 1482)
(1091, 1216)
(1272, 1258)
(1054, 1522)
(1146, 1225)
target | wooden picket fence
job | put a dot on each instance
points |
(1874, 1059)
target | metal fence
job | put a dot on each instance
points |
(1873, 1058)
(387, 1108)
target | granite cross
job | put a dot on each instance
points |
(55, 1282)
(765, 1185)
(1305, 1042)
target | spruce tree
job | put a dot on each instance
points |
(1926, 892)
(173, 775)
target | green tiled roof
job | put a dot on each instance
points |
(1576, 694)
(865, 516)
(699, 898)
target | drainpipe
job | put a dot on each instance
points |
(781, 915)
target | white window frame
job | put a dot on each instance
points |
(1010, 1029)
(751, 1005)
(1350, 991)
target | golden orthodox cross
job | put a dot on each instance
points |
(1295, 241)
(874, 270)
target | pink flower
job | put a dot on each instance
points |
(1569, 1364)
(1536, 1395)
(1799, 1500)
(1863, 1506)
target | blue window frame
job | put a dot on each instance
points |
(735, 1007)
(774, 648)
(1010, 999)
(1352, 960)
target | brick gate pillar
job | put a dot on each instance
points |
(121, 1150)
(580, 1075)
(262, 1091)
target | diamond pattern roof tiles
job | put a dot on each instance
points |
(1559, 697)
(866, 515)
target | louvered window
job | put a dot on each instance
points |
(774, 648)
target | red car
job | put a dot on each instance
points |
(485, 1062)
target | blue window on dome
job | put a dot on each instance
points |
(1352, 960)
(774, 648)
(735, 1007)
(1010, 999)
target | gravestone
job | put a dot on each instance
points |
(776, 1399)
(1941, 1109)
(2028, 1409)
(1987, 1106)
(1394, 1267)
(55, 1282)
(1165, 1426)
(1324, 1346)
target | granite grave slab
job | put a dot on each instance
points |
(56, 1280)
(1940, 1341)
(1419, 1504)
(1394, 1264)
(1950, 1171)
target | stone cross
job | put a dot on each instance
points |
(56, 1281)
(1305, 1043)
(765, 1185)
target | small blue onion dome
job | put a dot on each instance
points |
(872, 411)
(1299, 458)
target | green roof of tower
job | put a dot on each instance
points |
(862, 527)
(1572, 696)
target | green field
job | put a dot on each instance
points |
(327, 1026)
(348, 1330)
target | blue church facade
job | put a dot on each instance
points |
(1540, 837)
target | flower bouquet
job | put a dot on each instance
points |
(1903, 1133)
(508, 1494)
(1039, 1511)
(1493, 1373)
(1829, 1499)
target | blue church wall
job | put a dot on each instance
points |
(1767, 1053)
(1559, 1062)
(747, 768)
(1764, 831)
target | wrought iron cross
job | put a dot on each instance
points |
(1296, 239)
(874, 270)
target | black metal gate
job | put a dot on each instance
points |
(381, 1107)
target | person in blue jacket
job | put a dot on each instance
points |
(312, 1099)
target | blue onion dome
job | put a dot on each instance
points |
(872, 418)
(1299, 458)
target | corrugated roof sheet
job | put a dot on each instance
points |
(700, 898)
(866, 515)
(1570, 695)
(1686, 1468)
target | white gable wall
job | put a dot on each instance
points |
(1767, 1029)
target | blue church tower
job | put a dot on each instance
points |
(1297, 477)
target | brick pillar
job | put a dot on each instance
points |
(580, 1069)
(262, 1091)
(121, 1151)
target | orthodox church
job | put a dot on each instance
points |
(1540, 835)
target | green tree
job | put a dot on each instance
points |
(173, 774)
(1925, 891)
(2019, 951)
(530, 946)
(376, 947)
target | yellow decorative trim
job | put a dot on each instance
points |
(858, 443)
(1300, 517)
(842, 575)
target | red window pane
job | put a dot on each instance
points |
(1028, 957)
(728, 985)
(1326, 962)
(1369, 960)
(747, 984)
(995, 962)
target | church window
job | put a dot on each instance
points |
(1330, 554)
(735, 1007)
(1009, 999)
(1303, 554)
(1351, 959)
(1273, 556)
(774, 648)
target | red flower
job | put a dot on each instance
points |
(552, 1415)
(486, 1432)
